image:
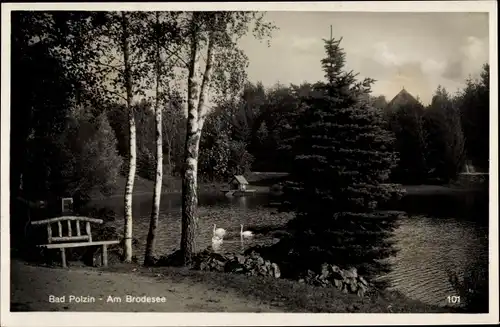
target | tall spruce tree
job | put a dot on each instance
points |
(342, 157)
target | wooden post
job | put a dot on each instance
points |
(87, 228)
(63, 257)
(69, 228)
(78, 233)
(59, 225)
(49, 233)
(105, 255)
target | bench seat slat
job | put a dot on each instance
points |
(75, 245)
(70, 238)
(73, 218)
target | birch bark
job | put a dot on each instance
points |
(155, 212)
(129, 188)
(196, 117)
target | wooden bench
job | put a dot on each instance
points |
(86, 240)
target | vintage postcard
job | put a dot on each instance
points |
(216, 164)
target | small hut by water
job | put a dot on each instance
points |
(238, 183)
(238, 187)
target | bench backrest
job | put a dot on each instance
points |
(64, 225)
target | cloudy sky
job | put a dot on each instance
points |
(416, 50)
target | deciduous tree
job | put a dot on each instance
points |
(122, 63)
(445, 140)
(164, 35)
(474, 104)
(224, 73)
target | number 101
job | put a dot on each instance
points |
(453, 299)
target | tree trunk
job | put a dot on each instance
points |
(129, 188)
(189, 174)
(196, 118)
(153, 225)
(168, 145)
(169, 161)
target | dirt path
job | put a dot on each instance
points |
(32, 286)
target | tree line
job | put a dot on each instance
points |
(435, 141)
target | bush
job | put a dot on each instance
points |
(347, 281)
(250, 265)
(89, 155)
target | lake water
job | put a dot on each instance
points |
(442, 233)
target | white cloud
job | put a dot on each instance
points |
(433, 67)
(475, 52)
(398, 49)
(384, 55)
(474, 49)
(307, 45)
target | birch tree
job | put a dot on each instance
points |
(122, 61)
(164, 37)
(216, 34)
(129, 187)
(159, 153)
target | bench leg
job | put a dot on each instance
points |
(105, 255)
(63, 257)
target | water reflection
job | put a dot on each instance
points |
(429, 249)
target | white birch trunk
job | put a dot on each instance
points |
(129, 188)
(196, 118)
(189, 182)
(155, 213)
(207, 77)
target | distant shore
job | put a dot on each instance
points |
(260, 182)
(435, 189)
(264, 181)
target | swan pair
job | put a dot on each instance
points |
(219, 233)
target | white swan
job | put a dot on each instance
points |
(216, 243)
(245, 234)
(219, 232)
(217, 240)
